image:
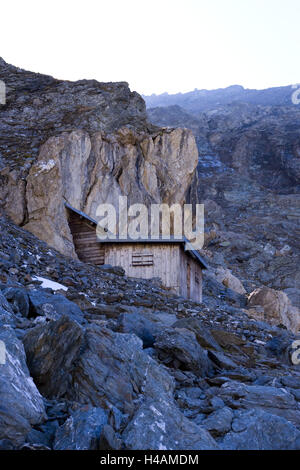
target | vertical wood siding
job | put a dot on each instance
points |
(195, 291)
(169, 264)
(165, 258)
(167, 261)
(85, 240)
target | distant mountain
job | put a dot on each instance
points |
(202, 100)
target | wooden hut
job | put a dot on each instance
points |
(178, 268)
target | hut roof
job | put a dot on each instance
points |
(182, 241)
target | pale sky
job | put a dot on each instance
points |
(156, 45)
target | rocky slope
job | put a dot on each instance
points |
(97, 360)
(91, 359)
(248, 178)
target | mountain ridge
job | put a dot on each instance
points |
(201, 100)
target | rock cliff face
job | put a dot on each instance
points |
(119, 363)
(38, 107)
(87, 170)
(84, 143)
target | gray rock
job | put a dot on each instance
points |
(109, 439)
(53, 306)
(194, 392)
(21, 403)
(221, 360)
(35, 437)
(258, 430)
(19, 298)
(135, 323)
(240, 374)
(296, 393)
(227, 339)
(117, 270)
(203, 335)
(180, 347)
(5, 444)
(167, 319)
(114, 370)
(217, 402)
(219, 422)
(291, 381)
(82, 430)
(6, 314)
(159, 425)
(4, 303)
(274, 400)
(192, 405)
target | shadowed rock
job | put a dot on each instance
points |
(159, 425)
(82, 430)
(181, 346)
(258, 430)
(51, 350)
(21, 403)
(114, 370)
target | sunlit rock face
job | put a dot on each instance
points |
(87, 170)
(274, 307)
(84, 143)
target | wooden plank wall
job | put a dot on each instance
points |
(195, 276)
(165, 261)
(87, 247)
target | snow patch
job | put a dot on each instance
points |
(47, 283)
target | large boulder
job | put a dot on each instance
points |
(18, 298)
(203, 335)
(274, 307)
(113, 370)
(21, 403)
(219, 421)
(6, 313)
(159, 425)
(277, 401)
(225, 277)
(51, 350)
(141, 326)
(96, 366)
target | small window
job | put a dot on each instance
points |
(142, 259)
(197, 279)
